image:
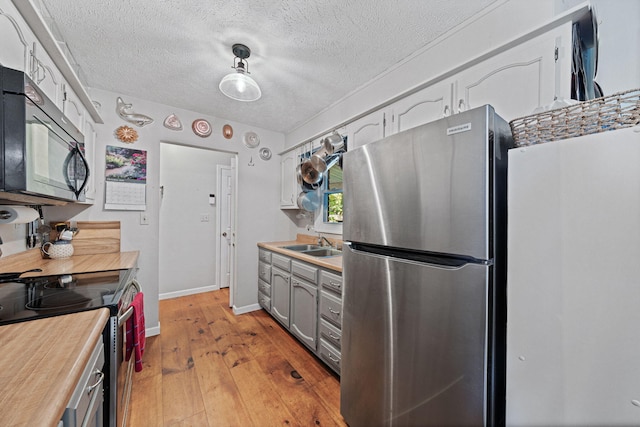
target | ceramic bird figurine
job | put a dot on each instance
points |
(124, 111)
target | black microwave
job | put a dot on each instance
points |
(41, 151)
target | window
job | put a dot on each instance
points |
(333, 196)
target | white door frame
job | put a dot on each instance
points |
(221, 202)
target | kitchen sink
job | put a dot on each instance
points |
(302, 248)
(324, 252)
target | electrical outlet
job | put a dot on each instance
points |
(144, 219)
(204, 217)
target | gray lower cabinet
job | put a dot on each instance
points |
(304, 303)
(304, 312)
(330, 313)
(280, 295)
(264, 279)
(306, 299)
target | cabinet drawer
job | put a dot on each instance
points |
(264, 301)
(305, 271)
(264, 287)
(281, 262)
(264, 256)
(331, 281)
(264, 271)
(330, 333)
(330, 355)
(331, 308)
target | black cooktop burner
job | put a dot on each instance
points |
(36, 297)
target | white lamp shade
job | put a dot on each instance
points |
(240, 87)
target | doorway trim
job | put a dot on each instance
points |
(234, 166)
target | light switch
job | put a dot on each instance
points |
(144, 219)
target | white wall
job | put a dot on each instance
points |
(13, 238)
(187, 176)
(258, 216)
(619, 29)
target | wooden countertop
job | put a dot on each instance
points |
(332, 263)
(74, 264)
(41, 362)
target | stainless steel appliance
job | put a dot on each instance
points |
(424, 271)
(41, 152)
(30, 298)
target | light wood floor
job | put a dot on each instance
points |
(209, 367)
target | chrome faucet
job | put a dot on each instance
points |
(321, 238)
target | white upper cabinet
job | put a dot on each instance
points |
(426, 105)
(21, 50)
(15, 47)
(46, 75)
(515, 82)
(73, 108)
(288, 180)
(366, 129)
(521, 79)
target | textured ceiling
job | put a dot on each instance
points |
(305, 55)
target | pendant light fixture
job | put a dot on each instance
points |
(238, 85)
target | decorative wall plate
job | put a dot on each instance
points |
(227, 131)
(251, 139)
(127, 134)
(201, 127)
(265, 153)
(172, 122)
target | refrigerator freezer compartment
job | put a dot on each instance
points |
(414, 343)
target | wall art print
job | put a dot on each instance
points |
(126, 164)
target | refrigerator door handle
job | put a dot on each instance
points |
(446, 261)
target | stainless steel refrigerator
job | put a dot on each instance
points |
(424, 272)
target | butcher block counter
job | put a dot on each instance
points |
(74, 264)
(41, 362)
(333, 263)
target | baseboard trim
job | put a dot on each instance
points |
(185, 292)
(149, 332)
(246, 309)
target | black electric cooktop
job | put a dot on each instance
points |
(36, 297)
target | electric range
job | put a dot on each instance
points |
(32, 298)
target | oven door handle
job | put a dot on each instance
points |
(129, 311)
(125, 316)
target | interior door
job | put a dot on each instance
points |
(226, 227)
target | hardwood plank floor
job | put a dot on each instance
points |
(209, 367)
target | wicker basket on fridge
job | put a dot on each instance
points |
(611, 112)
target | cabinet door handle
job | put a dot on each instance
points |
(446, 112)
(335, 284)
(333, 311)
(334, 360)
(95, 395)
(461, 106)
(335, 337)
(100, 379)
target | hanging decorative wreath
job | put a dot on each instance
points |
(127, 134)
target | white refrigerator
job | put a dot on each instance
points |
(573, 282)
